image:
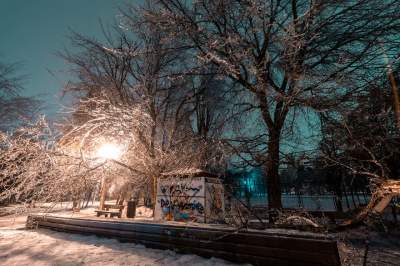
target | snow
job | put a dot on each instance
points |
(383, 248)
(187, 172)
(19, 246)
(45, 247)
(142, 211)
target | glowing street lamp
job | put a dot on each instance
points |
(109, 151)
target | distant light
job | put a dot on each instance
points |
(109, 151)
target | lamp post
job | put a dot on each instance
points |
(107, 151)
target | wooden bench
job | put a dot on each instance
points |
(110, 210)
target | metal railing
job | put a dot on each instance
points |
(326, 202)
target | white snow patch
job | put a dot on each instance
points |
(143, 211)
(44, 247)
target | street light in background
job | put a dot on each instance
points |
(107, 151)
(110, 151)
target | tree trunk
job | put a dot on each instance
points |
(153, 185)
(339, 205)
(272, 173)
(345, 196)
(103, 192)
(154, 196)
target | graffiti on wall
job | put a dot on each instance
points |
(215, 202)
(190, 199)
(194, 206)
(181, 199)
(180, 189)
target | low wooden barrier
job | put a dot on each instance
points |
(256, 247)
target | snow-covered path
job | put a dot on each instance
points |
(44, 247)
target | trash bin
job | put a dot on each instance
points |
(131, 209)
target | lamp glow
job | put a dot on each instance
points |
(109, 151)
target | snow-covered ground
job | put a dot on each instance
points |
(19, 246)
(45, 247)
(383, 248)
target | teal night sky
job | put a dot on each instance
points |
(33, 31)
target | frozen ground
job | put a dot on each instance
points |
(44, 247)
(383, 248)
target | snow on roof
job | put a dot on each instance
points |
(193, 172)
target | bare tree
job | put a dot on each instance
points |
(14, 108)
(37, 166)
(284, 55)
(363, 143)
(143, 72)
(32, 169)
(20, 154)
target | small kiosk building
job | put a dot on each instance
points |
(192, 195)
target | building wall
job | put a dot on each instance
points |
(197, 199)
